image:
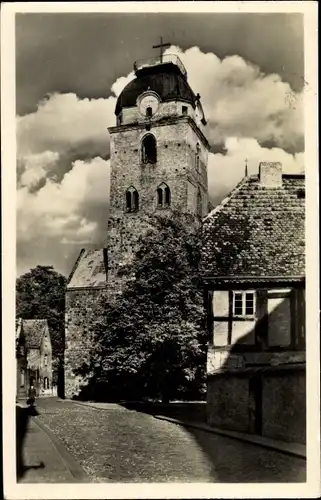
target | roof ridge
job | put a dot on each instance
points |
(72, 272)
(235, 190)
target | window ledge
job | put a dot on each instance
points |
(248, 317)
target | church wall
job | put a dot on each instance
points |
(175, 166)
(122, 238)
(175, 161)
(78, 336)
(193, 139)
(170, 108)
(191, 196)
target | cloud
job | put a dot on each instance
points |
(240, 101)
(73, 212)
(35, 167)
(63, 122)
(62, 179)
(121, 83)
(63, 150)
(226, 170)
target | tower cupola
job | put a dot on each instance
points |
(160, 89)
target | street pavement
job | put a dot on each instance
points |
(115, 444)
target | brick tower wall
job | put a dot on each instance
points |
(175, 166)
(176, 149)
(78, 336)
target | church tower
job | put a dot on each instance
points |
(158, 154)
(158, 158)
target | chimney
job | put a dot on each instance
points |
(270, 174)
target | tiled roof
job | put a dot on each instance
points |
(257, 231)
(89, 270)
(33, 330)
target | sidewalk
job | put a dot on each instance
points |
(46, 459)
(296, 449)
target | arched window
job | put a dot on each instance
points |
(199, 203)
(132, 199)
(22, 377)
(46, 360)
(149, 112)
(163, 196)
(159, 197)
(167, 196)
(149, 149)
(46, 383)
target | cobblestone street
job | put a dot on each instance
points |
(115, 444)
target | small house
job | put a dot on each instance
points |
(34, 357)
(253, 267)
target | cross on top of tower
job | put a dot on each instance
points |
(161, 46)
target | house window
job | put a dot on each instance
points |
(149, 149)
(132, 199)
(244, 303)
(22, 378)
(163, 196)
(46, 383)
(46, 360)
(149, 112)
(184, 110)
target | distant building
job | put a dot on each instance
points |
(254, 273)
(34, 357)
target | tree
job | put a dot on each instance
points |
(40, 294)
(151, 341)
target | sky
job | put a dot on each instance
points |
(70, 68)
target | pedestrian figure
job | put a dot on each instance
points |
(32, 396)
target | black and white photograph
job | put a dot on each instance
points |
(162, 182)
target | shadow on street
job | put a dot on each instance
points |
(22, 428)
(231, 461)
